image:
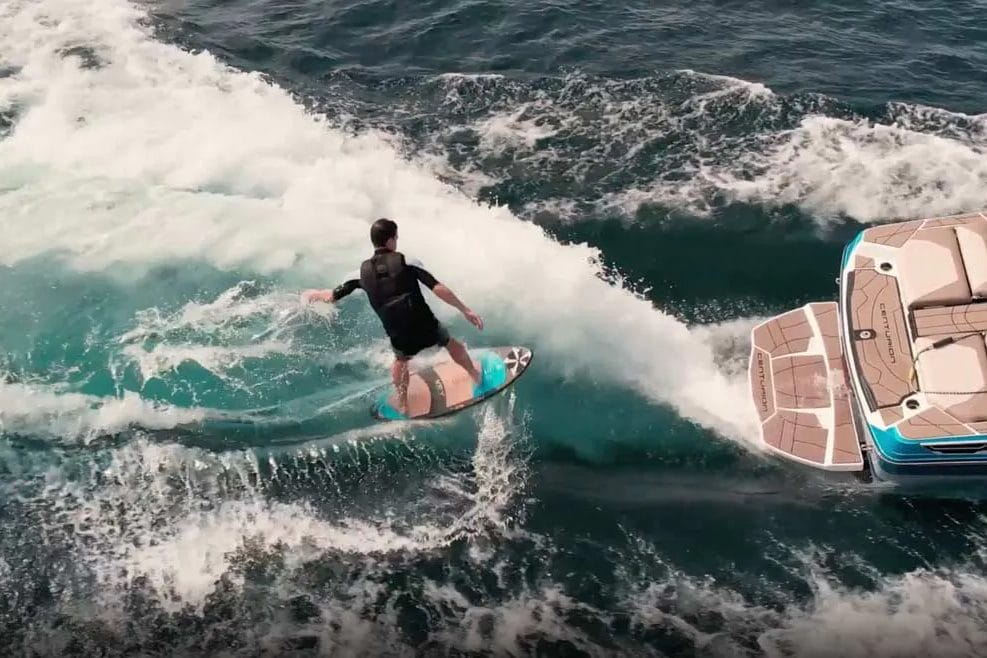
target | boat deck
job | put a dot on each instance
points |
(916, 294)
(909, 339)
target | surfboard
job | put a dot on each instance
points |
(442, 388)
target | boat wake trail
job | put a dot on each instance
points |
(225, 168)
(686, 143)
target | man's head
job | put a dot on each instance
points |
(384, 233)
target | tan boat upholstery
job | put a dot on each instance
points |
(972, 239)
(930, 270)
(951, 375)
(945, 320)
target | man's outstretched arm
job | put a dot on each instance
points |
(448, 296)
(333, 295)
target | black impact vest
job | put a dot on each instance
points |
(393, 291)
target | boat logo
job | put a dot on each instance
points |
(762, 384)
(888, 340)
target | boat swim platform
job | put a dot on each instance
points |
(909, 336)
(800, 389)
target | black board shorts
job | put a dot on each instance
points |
(406, 347)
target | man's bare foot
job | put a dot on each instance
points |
(402, 407)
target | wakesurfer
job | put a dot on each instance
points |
(392, 287)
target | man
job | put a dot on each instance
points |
(392, 287)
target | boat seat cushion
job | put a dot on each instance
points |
(941, 321)
(972, 239)
(951, 375)
(930, 270)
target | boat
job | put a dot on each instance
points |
(890, 380)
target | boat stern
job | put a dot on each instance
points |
(799, 388)
(913, 318)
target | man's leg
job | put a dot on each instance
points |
(399, 375)
(459, 354)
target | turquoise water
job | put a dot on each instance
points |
(188, 465)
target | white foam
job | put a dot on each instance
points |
(498, 476)
(217, 359)
(510, 626)
(870, 172)
(918, 613)
(4, 574)
(730, 341)
(918, 161)
(162, 155)
(194, 552)
(970, 128)
(831, 167)
(612, 121)
(728, 90)
(691, 195)
(51, 411)
(177, 516)
(245, 326)
(516, 127)
(231, 309)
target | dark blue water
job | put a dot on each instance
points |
(187, 465)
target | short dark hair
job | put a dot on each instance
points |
(382, 230)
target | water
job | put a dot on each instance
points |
(186, 459)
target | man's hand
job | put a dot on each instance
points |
(449, 297)
(317, 296)
(474, 319)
